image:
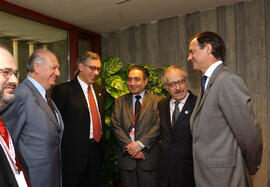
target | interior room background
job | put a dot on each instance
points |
(245, 28)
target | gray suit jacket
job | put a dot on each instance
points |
(147, 131)
(227, 139)
(37, 134)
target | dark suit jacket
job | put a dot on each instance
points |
(147, 131)
(177, 162)
(70, 100)
(7, 178)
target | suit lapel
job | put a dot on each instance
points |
(200, 102)
(78, 92)
(129, 106)
(99, 95)
(146, 104)
(41, 101)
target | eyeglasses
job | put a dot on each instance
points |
(7, 73)
(93, 68)
(175, 83)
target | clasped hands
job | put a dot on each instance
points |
(134, 149)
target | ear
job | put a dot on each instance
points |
(36, 68)
(209, 48)
(146, 81)
(80, 66)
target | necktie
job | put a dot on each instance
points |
(4, 132)
(95, 116)
(204, 78)
(49, 101)
(176, 112)
(137, 108)
(5, 136)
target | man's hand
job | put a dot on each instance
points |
(139, 155)
(133, 149)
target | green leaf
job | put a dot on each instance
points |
(111, 66)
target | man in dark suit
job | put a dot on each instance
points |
(136, 127)
(10, 158)
(81, 103)
(175, 111)
(34, 121)
(227, 139)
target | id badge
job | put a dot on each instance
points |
(20, 179)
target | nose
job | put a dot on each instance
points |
(13, 79)
(189, 57)
(177, 86)
(57, 72)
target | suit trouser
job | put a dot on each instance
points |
(139, 178)
(92, 176)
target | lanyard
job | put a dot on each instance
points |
(135, 116)
(10, 151)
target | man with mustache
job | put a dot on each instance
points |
(13, 170)
(34, 121)
(136, 128)
(175, 111)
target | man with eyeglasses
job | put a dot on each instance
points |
(175, 111)
(35, 122)
(81, 103)
(10, 158)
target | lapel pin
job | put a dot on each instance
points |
(99, 94)
(186, 112)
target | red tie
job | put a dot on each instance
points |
(95, 116)
(4, 132)
(5, 136)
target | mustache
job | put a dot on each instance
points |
(178, 91)
(9, 85)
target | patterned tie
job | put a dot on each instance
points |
(49, 101)
(176, 112)
(137, 108)
(204, 78)
(5, 136)
(95, 116)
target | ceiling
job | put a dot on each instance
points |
(102, 16)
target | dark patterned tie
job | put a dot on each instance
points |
(176, 112)
(204, 78)
(49, 101)
(137, 108)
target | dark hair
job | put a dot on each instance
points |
(86, 55)
(141, 68)
(208, 37)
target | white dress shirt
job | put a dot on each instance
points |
(180, 106)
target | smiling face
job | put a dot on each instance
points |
(7, 85)
(176, 83)
(48, 71)
(198, 56)
(89, 70)
(136, 81)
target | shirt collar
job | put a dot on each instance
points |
(83, 84)
(141, 94)
(183, 101)
(38, 86)
(212, 68)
